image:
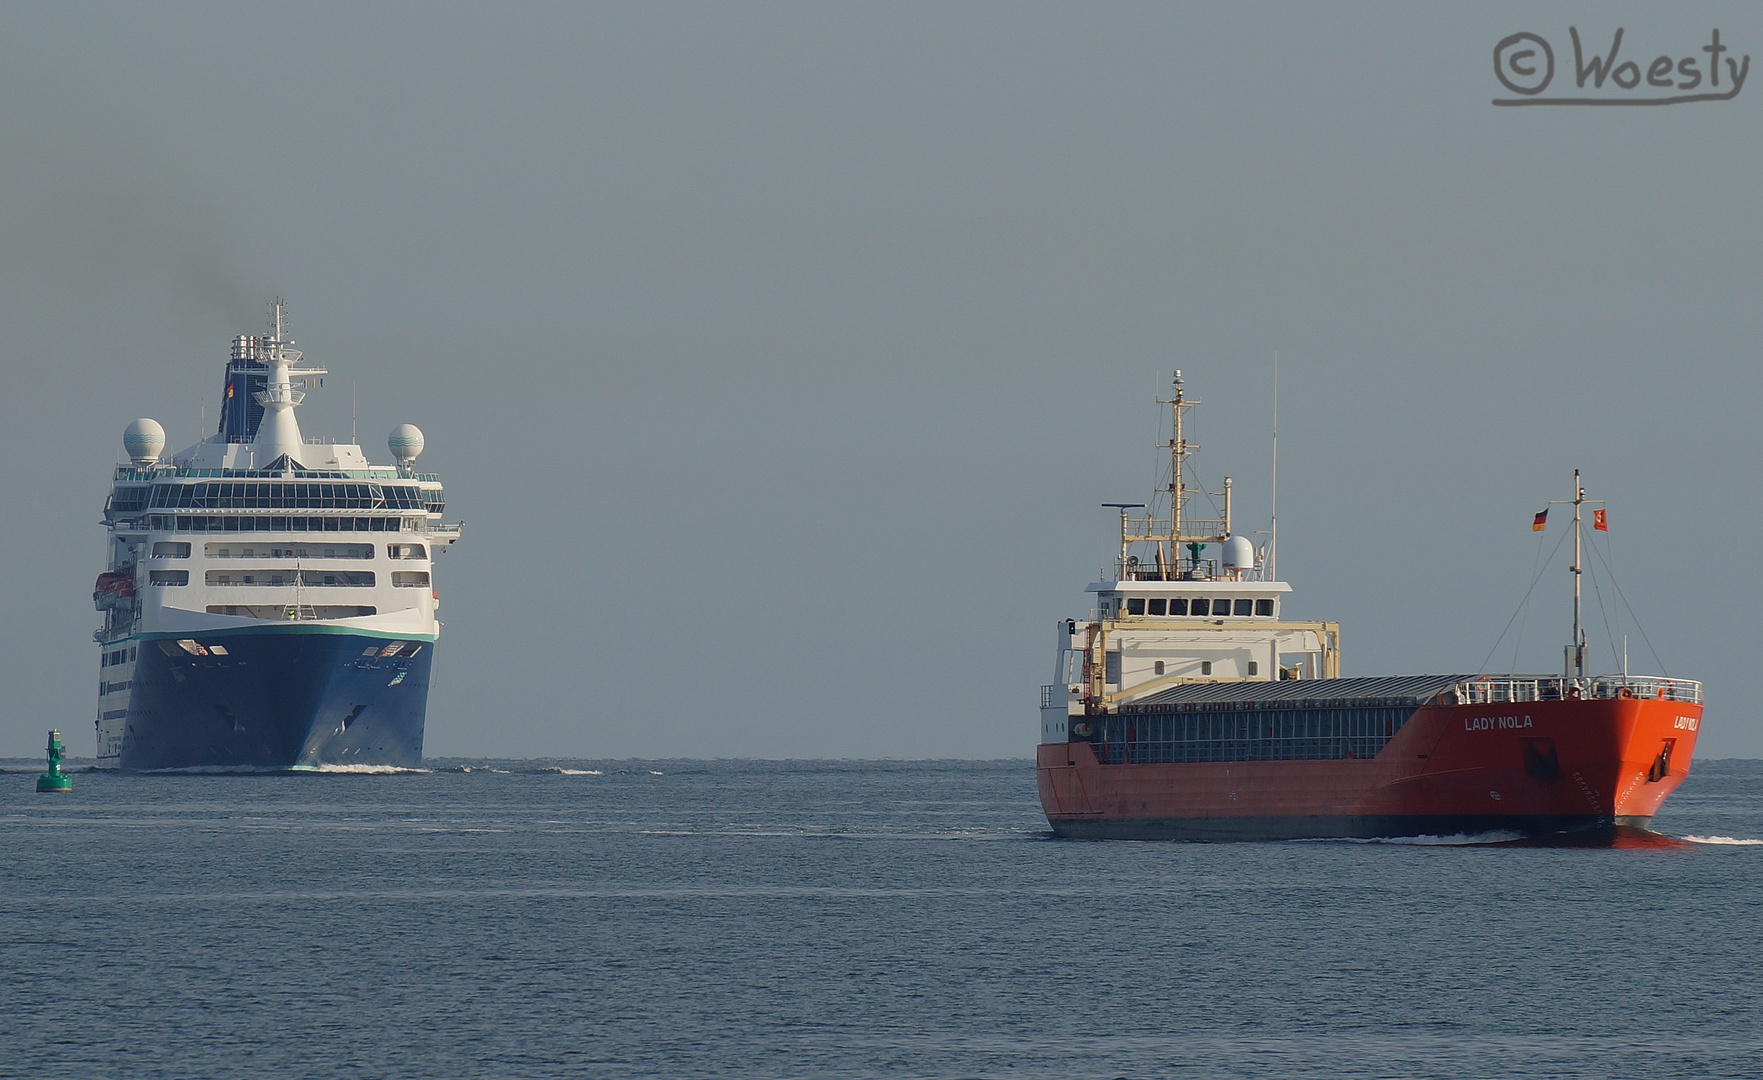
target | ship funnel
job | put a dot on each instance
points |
(143, 439)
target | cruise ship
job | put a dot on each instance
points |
(1187, 706)
(268, 600)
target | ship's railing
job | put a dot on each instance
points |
(1054, 694)
(142, 474)
(372, 472)
(1148, 528)
(446, 532)
(1495, 689)
(134, 474)
(1133, 569)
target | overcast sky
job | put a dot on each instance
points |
(777, 357)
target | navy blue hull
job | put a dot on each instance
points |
(277, 699)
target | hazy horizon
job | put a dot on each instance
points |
(778, 357)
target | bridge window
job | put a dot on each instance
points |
(1135, 605)
(1155, 606)
(1245, 607)
(200, 523)
(1178, 605)
(264, 496)
(127, 500)
(1264, 607)
(1199, 606)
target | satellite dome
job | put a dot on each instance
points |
(144, 439)
(1239, 553)
(405, 442)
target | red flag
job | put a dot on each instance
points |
(1537, 525)
(1598, 521)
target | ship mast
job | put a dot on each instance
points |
(279, 433)
(1576, 651)
(1573, 663)
(1178, 454)
(1174, 532)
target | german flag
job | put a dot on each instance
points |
(1537, 525)
(1599, 522)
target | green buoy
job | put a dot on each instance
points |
(54, 779)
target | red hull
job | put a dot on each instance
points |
(1528, 767)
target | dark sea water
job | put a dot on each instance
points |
(760, 919)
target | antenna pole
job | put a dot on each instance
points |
(1177, 451)
(1273, 528)
(1123, 541)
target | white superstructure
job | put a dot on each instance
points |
(1171, 612)
(256, 526)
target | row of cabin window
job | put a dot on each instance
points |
(1205, 668)
(116, 656)
(1111, 668)
(264, 496)
(186, 523)
(180, 549)
(1199, 605)
(293, 611)
(360, 579)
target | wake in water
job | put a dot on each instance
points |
(373, 769)
(1731, 841)
(1500, 836)
(270, 770)
(1497, 836)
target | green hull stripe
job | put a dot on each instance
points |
(285, 628)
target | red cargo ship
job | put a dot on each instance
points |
(1187, 708)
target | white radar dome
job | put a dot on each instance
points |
(405, 443)
(143, 439)
(1239, 553)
